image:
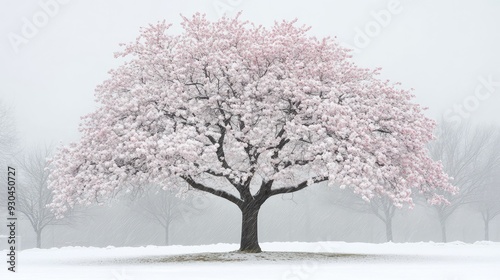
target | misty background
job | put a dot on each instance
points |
(54, 53)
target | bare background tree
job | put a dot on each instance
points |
(33, 194)
(166, 207)
(489, 205)
(486, 198)
(380, 207)
(464, 151)
(161, 206)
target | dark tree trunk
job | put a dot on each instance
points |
(249, 232)
(388, 229)
(249, 204)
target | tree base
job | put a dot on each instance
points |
(250, 250)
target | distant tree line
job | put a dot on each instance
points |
(469, 153)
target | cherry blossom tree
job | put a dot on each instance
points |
(246, 112)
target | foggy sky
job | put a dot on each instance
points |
(442, 49)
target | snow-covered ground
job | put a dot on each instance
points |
(281, 261)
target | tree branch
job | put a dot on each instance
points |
(298, 187)
(219, 193)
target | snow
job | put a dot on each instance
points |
(280, 261)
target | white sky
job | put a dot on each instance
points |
(439, 48)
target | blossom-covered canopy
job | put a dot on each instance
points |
(248, 105)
